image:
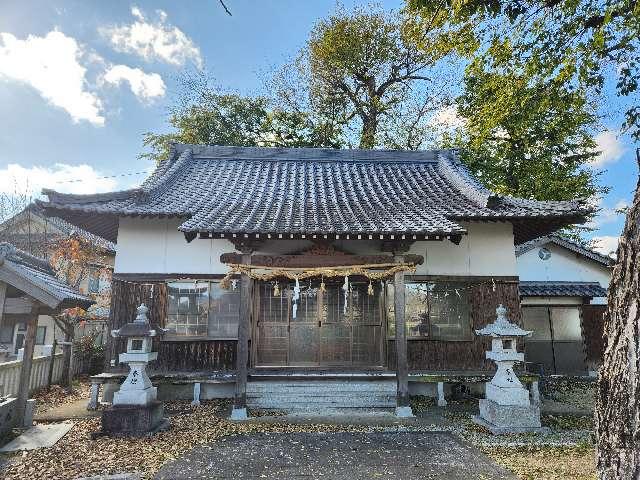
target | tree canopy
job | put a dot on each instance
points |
(205, 114)
(363, 71)
(527, 138)
(370, 78)
(576, 42)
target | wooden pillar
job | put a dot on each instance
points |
(3, 296)
(239, 411)
(52, 359)
(403, 407)
(27, 361)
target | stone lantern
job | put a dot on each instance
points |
(507, 407)
(136, 410)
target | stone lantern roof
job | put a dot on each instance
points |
(140, 327)
(502, 327)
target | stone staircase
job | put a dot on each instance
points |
(321, 394)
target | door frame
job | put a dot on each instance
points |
(552, 341)
(318, 364)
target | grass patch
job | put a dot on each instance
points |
(547, 463)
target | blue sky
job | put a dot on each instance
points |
(81, 81)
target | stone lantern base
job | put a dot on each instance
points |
(504, 419)
(134, 420)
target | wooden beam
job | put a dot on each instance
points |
(18, 306)
(402, 372)
(27, 361)
(242, 355)
(308, 260)
(8, 275)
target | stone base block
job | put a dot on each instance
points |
(507, 396)
(404, 412)
(239, 414)
(135, 397)
(503, 419)
(134, 420)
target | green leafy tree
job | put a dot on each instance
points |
(362, 71)
(205, 115)
(527, 138)
(576, 42)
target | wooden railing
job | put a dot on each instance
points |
(10, 374)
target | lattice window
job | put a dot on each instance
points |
(434, 310)
(202, 309)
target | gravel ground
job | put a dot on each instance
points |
(339, 456)
(566, 453)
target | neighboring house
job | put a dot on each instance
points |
(318, 215)
(33, 232)
(563, 287)
(29, 288)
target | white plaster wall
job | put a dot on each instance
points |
(156, 246)
(486, 250)
(563, 266)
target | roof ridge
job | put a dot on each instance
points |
(307, 154)
(63, 198)
(566, 243)
(460, 176)
(161, 178)
(12, 253)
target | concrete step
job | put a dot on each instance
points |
(295, 389)
(305, 394)
(276, 402)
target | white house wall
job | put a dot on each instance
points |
(563, 266)
(156, 246)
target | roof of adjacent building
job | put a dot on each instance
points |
(38, 279)
(220, 190)
(565, 243)
(562, 289)
(22, 239)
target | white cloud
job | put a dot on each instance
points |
(610, 147)
(447, 117)
(608, 214)
(18, 180)
(51, 65)
(153, 41)
(606, 244)
(145, 86)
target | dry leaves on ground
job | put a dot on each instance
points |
(547, 463)
(54, 396)
(77, 455)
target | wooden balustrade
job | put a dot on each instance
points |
(10, 374)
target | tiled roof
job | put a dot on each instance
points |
(39, 273)
(22, 239)
(562, 289)
(253, 190)
(70, 229)
(565, 243)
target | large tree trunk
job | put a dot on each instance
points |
(369, 131)
(618, 398)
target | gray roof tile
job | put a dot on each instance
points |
(301, 191)
(562, 289)
(40, 274)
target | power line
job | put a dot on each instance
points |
(106, 176)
